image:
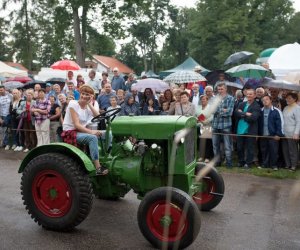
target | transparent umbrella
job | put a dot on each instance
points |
(12, 85)
(280, 84)
(152, 83)
(184, 76)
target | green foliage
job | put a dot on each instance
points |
(128, 55)
(5, 50)
(176, 49)
(43, 30)
(99, 44)
(220, 28)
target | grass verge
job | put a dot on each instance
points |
(265, 172)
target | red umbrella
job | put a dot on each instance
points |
(65, 65)
(22, 79)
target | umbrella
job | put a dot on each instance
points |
(155, 84)
(22, 79)
(12, 85)
(293, 77)
(248, 71)
(184, 76)
(213, 76)
(238, 57)
(231, 84)
(65, 65)
(280, 84)
(30, 85)
(267, 52)
(56, 80)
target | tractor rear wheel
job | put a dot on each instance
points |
(212, 189)
(57, 193)
(169, 224)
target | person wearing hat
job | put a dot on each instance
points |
(49, 90)
(117, 81)
(198, 69)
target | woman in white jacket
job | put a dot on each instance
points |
(291, 117)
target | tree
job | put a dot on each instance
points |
(128, 55)
(23, 31)
(147, 26)
(99, 44)
(176, 49)
(5, 50)
(220, 28)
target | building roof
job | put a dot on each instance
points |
(16, 65)
(110, 63)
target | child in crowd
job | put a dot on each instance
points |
(113, 104)
(165, 108)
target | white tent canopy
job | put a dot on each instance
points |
(285, 59)
(7, 71)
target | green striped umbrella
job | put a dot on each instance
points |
(248, 71)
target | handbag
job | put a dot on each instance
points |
(205, 131)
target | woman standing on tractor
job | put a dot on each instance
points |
(78, 115)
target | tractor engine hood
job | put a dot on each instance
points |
(151, 127)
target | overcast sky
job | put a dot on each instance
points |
(191, 3)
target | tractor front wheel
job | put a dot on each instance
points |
(213, 188)
(169, 218)
(56, 191)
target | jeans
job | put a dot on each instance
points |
(245, 143)
(92, 142)
(216, 140)
(4, 131)
(269, 150)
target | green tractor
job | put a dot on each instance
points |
(155, 156)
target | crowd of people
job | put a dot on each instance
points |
(262, 125)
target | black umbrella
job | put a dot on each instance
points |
(213, 77)
(56, 80)
(238, 57)
(30, 85)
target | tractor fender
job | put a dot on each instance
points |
(62, 148)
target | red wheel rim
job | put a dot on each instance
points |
(51, 193)
(166, 221)
(205, 195)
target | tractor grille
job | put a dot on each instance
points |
(189, 142)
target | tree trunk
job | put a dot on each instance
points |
(28, 40)
(77, 35)
(83, 31)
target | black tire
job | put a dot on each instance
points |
(214, 189)
(151, 214)
(67, 201)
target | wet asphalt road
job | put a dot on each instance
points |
(256, 213)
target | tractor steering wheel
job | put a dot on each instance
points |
(103, 115)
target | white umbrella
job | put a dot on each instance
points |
(152, 83)
(293, 77)
(184, 76)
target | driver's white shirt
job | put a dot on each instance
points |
(85, 115)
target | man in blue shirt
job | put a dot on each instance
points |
(247, 115)
(72, 91)
(117, 81)
(221, 125)
(104, 97)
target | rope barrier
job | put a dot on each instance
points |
(201, 136)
